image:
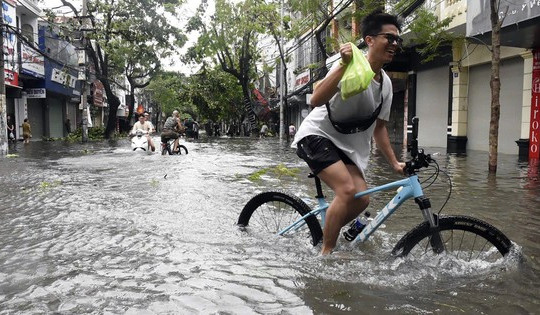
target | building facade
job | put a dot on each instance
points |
(451, 94)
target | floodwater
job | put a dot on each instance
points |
(98, 229)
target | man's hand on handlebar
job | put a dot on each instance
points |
(399, 168)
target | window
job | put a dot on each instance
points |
(28, 32)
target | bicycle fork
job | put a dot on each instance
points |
(433, 219)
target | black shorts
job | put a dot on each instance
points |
(319, 153)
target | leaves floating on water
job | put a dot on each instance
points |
(48, 185)
(282, 170)
(279, 171)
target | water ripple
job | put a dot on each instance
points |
(98, 229)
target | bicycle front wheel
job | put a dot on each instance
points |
(463, 237)
(271, 212)
(181, 149)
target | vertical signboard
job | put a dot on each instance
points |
(534, 134)
(11, 64)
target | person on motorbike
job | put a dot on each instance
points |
(172, 129)
(149, 121)
(146, 128)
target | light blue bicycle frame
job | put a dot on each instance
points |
(407, 188)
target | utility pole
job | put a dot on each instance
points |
(3, 107)
(84, 103)
(281, 81)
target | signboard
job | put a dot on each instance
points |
(11, 64)
(97, 92)
(534, 134)
(36, 93)
(302, 79)
(63, 78)
(478, 14)
(32, 62)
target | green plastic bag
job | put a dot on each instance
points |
(357, 76)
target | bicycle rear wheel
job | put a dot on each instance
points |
(273, 211)
(463, 237)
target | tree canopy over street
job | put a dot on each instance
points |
(125, 37)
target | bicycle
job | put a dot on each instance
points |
(454, 234)
(168, 148)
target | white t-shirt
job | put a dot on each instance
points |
(356, 146)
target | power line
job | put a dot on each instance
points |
(22, 38)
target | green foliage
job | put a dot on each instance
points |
(430, 34)
(126, 37)
(230, 38)
(210, 94)
(44, 186)
(214, 94)
(165, 90)
(279, 171)
(94, 134)
(282, 170)
(257, 175)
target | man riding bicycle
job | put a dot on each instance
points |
(172, 129)
(335, 138)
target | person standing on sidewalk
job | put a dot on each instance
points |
(10, 129)
(27, 131)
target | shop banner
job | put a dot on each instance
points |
(97, 92)
(63, 78)
(534, 135)
(36, 93)
(32, 62)
(11, 64)
(302, 79)
(513, 12)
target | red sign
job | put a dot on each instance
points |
(302, 79)
(11, 77)
(534, 134)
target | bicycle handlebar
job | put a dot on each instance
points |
(418, 158)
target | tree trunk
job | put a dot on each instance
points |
(131, 107)
(114, 103)
(248, 107)
(495, 84)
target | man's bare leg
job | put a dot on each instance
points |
(345, 181)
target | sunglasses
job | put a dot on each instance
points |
(392, 38)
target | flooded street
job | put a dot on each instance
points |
(99, 229)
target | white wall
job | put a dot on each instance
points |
(511, 73)
(432, 106)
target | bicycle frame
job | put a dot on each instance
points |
(407, 188)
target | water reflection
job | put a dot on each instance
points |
(95, 228)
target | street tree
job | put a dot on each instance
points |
(120, 30)
(141, 68)
(214, 94)
(165, 91)
(495, 81)
(230, 40)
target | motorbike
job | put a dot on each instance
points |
(140, 141)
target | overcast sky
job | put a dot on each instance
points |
(187, 10)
